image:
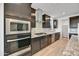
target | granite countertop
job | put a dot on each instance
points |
(72, 48)
(44, 34)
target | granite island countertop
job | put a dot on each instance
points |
(72, 48)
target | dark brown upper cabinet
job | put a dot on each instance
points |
(18, 10)
(33, 17)
(74, 22)
(46, 21)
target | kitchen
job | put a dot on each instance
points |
(30, 27)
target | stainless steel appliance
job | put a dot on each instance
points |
(17, 37)
(15, 43)
(14, 26)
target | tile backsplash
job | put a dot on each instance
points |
(40, 30)
(37, 30)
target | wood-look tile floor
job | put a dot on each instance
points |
(55, 49)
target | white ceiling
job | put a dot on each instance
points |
(58, 9)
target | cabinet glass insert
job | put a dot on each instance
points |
(13, 26)
(18, 26)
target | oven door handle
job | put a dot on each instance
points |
(18, 39)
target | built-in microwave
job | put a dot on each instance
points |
(14, 26)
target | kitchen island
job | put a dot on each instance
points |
(72, 48)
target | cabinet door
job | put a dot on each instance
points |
(49, 39)
(57, 36)
(20, 10)
(35, 45)
(43, 42)
(46, 21)
(53, 38)
(46, 24)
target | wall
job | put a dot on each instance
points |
(38, 22)
(59, 24)
(1, 29)
(78, 32)
(66, 21)
(51, 23)
(63, 21)
(39, 14)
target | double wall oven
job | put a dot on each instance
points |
(17, 35)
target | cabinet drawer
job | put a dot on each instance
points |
(35, 45)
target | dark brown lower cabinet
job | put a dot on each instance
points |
(49, 39)
(35, 44)
(43, 41)
(57, 36)
(40, 43)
